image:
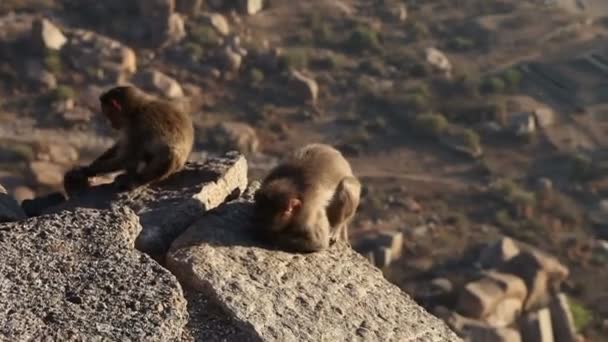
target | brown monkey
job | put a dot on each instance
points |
(308, 200)
(156, 138)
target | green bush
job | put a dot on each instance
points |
(204, 35)
(461, 43)
(296, 58)
(63, 92)
(363, 38)
(512, 193)
(256, 76)
(52, 62)
(581, 315)
(195, 50)
(431, 124)
(417, 30)
(471, 139)
(581, 167)
(512, 78)
(494, 85)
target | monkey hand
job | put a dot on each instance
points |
(75, 180)
(125, 182)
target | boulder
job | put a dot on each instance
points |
(303, 87)
(46, 172)
(234, 136)
(230, 60)
(47, 36)
(219, 23)
(537, 327)
(97, 55)
(438, 60)
(74, 276)
(392, 240)
(22, 193)
(540, 272)
(251, 7)
(9, 208)
(176, 29)
(333, 295)
(158, 82)
(498, 253)
(496, 299)
(167, 208)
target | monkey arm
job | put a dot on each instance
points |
(111, 160)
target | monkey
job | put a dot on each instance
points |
(156, 139)
(306, 203)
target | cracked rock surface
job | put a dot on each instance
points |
(335, 295)
(74, 276)
(166, 209)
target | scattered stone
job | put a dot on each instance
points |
(333, 295)
(176, 29)
(490, 334)
(230, 60)
(545, 117)
(22, 193)
(74, 276)
(536, 326)
(47, 36)
(156, 81)
(167, 208)
(479, 298)
(77, 115)
(9, 208)
(58, 153)
(302, 87)
(251, 7)
(47, 173)
(219, 23)
(393, 241)
(522, 124)
(383, 257)
(442, 285)
(439, 60)
(412, 205)
(234, 136)
(561, 319)
(498, 253)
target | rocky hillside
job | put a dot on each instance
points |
(469, 123)
(80, 272)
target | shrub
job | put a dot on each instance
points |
(431, 124)
(512, 78)
(418, 30)
(52, 62)
(256, 76)
(581, 167)
(194, 50)
(512, 193)
(581, 315)
(295, 58)
(461, 43)
(363, 38)
(63, 92)
(204, 35)
(494, 85)
(471, 139)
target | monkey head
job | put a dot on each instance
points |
(276, 206)
(117, 103)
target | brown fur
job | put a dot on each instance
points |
(308, 200)
(156, 139)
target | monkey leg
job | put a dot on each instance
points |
(157, 167)
(342, 207)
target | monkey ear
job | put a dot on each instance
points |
(116, 105)
(293, 204)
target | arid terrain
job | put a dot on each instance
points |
(466, 120)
